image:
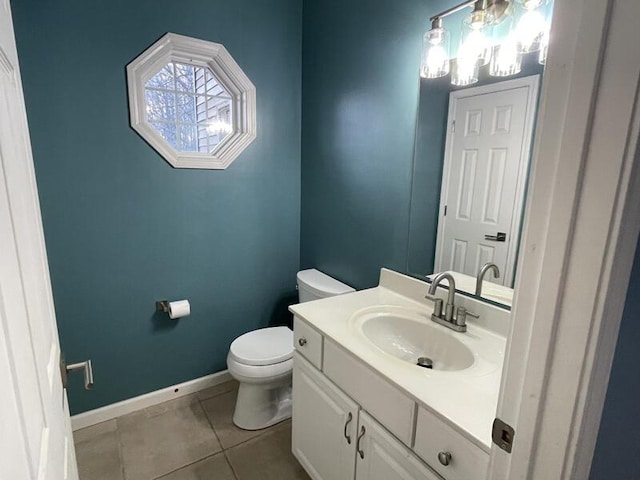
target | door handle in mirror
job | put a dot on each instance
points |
(499, 237)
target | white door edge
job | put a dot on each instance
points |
(532, 84)
(579, 239)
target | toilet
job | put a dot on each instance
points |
(262, 360)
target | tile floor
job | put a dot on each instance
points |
(190, 438)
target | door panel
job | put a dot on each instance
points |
(483, 166)
(36, 437)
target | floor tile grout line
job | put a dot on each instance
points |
(199, 402)
(196, 400)
(217, 394)
(190, 464)
(262, 433)
(120, 452)
(233, 470)
(266, 430)
(213, 429)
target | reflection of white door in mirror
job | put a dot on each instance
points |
(489, 131)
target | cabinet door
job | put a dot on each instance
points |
(380, 456)
(324, 424)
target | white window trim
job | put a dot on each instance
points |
(178, 48)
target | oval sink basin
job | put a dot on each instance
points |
(410, 336)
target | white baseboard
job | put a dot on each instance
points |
(108, 412)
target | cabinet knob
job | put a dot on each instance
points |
(444, 458)
(302, 341)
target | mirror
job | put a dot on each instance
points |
(471, 165)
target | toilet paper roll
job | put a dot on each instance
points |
(179, 308)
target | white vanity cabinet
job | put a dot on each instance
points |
(350, 423)
(324, 425)
(333, 439)
(381, 457)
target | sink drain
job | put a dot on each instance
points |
(425, 362)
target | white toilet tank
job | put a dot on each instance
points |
(313, 285)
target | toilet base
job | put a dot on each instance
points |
(259, 406)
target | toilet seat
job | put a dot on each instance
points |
(259, 373)
(263, 347)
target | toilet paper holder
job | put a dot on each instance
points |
(162, 306)
(175, 309)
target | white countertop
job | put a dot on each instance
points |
(466, 399)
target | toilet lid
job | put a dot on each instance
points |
(265, 346)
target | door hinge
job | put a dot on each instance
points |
(445, 210)
(502, 435)
(453, 126)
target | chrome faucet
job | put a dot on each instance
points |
(483, 271)
(457, 323)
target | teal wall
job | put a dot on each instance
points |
(360, 100)
(122, 227)
(616, 454)
(365, 204)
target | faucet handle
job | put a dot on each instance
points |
(437, 304)
(461, 316)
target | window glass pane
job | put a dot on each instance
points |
(203, 139)
(219, 122)
(199, 77)
(167, 131)
(213, 86)
(160, 105)
(201, 108)
(186, 108)
(162, 79)
(187, 138)
(185, 80)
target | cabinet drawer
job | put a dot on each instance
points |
(433, 436)
(391, 407)
(308, 342)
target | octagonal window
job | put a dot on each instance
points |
(191, 102)
(188, 107)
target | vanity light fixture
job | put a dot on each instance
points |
(507, 56)
(532, 26)
(476, 34)
(435, 51)
(544, 45)
(496, 32)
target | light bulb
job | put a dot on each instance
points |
(506, 60)
(478, 45)
(544, 47)
(435, 56)
(530, 30)
(437, 59)
(475, 34)
(465, 71)
(531, 4)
